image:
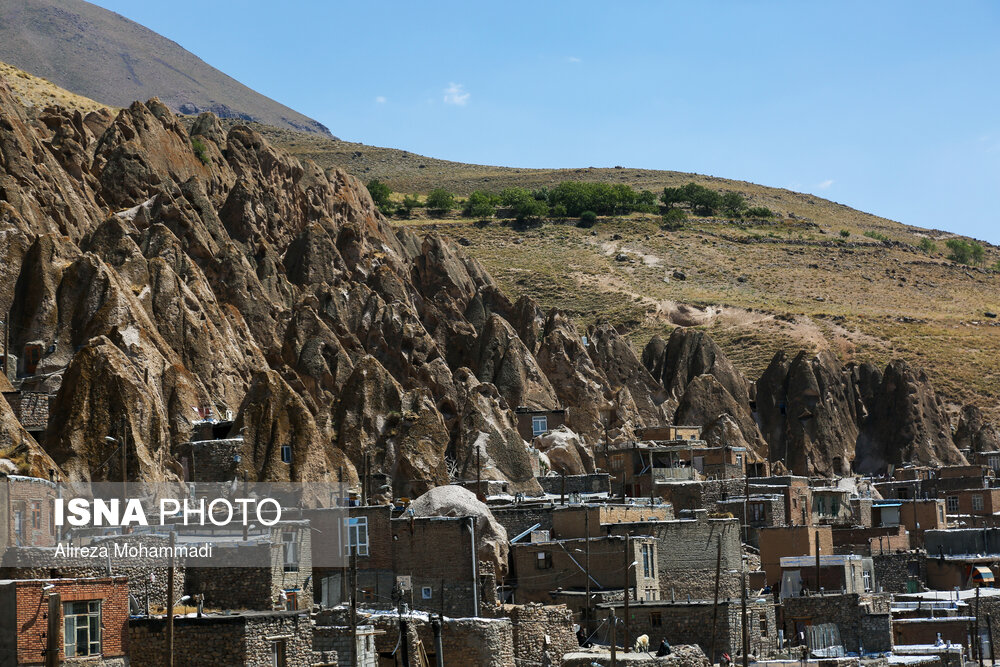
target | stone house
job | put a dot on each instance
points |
(863, 621)
(831, 506)
(532, 423)
(776, 543)
(278, 574)
(90, 621)
(691, 622)
(687, 550)
(700, 495)
(252, 638)
(31, 409)
(569, 521)
(436, 555)
(755, 512)
(539, 568)
(796, 492)
(848, 573)
(26, 512)
(869, 541)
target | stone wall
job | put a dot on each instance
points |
(518, 518)
(222, 640)
(531, 624)
(893, 571)
(681, 656)
(686, 555)
(598, 482)
(214, 460)
(31, 408)
(700, 495)
(848, 612)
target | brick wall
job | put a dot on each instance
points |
(700, 495)
(25, 603)
(31, 408)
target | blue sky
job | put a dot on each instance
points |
(889, 107)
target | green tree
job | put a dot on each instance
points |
(927, 245)
(965, 252)
(523, 203)
(381, 195)
(440, 201)
(733, 204)
(672, 196)
(480, 205)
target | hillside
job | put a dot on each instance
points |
(795, 283)
(39, 93)
(103, 56)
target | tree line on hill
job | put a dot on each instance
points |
(573, 199)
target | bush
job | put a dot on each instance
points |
(200, 150)
(674, 219)
(480, 205)
(524, 204)
(405, 209)
(440, 201)
(965, 252)
(760, 212)
(878, 236)
(702, 200)
(381, 195)
(844, 233)
(927, 245)
(587, 219)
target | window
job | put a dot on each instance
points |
(543, 560)
(426, 592)
(739, 459)
(763, 625)
(36, 513)
(357, 535)
(977, 502)
(866, 577)
(82, 628)
(290, 551)
(756, 512)
(19, 525)
(655, 619)
(539, 424)
(952, 502)
(278, 653)
(286, 453)
(940, 514)
(291, 600)
(646, 569)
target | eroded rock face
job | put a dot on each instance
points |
(686, 355)
(614, 357)
(974, 434)
(906, 423)
(808, 412)
(564, 452)
(706, 400)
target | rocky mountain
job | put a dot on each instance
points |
(160, 272)
(106, 57)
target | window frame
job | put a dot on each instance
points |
(290, 557)
(286, 454)
(543, 560)
(36, 514)
(353, 526)
(977, 502)
(93, 622)
(539, 419)
(951, 504)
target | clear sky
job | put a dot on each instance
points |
(889, 107)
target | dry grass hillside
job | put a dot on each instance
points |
(37, 92)
(791, 284)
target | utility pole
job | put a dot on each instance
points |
(124, 448)
(479, 472)
(614, 641)
(979, 641)
(364, 482)
(438, 644)
(562, 490)
(715, 605)
(628, 566)
(586, 532)
(6, 345)
(989, 632)
(354, 603)
(746, 632)
(170, 601)
(817, 561)
(53, 632)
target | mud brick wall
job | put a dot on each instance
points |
(518, 518)
(484, 642)
(701, 495)
(437, 553)
(599, 482)
(231, 587)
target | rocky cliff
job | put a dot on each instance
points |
(158, 273)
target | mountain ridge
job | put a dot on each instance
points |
(104, 56)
